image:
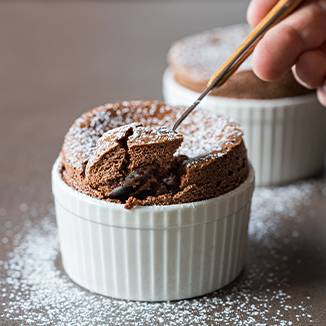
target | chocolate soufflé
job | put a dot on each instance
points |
(193, 59)
(127, 153)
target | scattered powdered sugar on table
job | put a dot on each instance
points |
(35, 291)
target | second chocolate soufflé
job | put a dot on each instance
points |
(127, 153)
(193, 59)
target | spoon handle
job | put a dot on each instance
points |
(281, 10)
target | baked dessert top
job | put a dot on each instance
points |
(127, 153)
(193, 60)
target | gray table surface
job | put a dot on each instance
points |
(59, 58)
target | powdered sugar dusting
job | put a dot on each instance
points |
(143, 134)
(36, 292)
(201, 54)
(80, 142)
(107, 141)
(208, 135)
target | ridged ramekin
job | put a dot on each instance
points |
(285, 137)
(152, 253)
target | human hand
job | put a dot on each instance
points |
(298, 42)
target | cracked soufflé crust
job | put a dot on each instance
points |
(127, 153)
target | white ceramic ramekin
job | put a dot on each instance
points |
(285, 138)
(152, 253)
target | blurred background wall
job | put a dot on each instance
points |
(97, 51)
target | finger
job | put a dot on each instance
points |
(321, 93)
(258, 9)
(280, 48)
(310, 69)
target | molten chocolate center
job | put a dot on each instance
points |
(151, 180)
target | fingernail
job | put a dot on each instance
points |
(322, 89)
(321, 93)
